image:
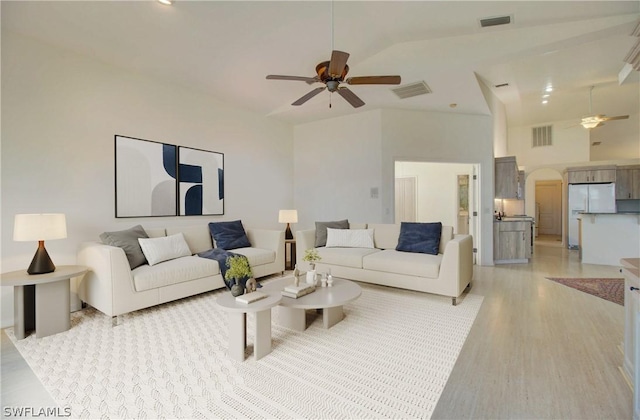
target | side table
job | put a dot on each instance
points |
(292, 254)
(41, 301)
(238, 324)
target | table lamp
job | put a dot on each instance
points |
(288, 217)
(40, 227)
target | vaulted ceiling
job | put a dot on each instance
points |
(227, 48)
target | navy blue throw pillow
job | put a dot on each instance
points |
(229, 235)
(423, 238)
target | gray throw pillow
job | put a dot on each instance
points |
(321, 230)
(128, 241)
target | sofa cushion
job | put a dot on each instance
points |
(257, 256)
(409, 263)
(128, 240)
(175, 271)
(229, 235)
(349, 238)
(321, 230)
(346, 257)
(157, 250)
(420, 237)
(198, 237)
(385, 236)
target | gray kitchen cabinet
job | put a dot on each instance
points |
(591, 175)
(628, 183)
(506, 177)
(512, 241)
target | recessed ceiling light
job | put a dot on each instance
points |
(166, 2)
(549, 89)
(546, 95)
(545, 102)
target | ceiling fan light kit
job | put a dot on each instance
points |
(594, 121)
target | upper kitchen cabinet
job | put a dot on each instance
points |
(591, 175)
(628, 183)
(506, 175)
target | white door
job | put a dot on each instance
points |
(405, 200)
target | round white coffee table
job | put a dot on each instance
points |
(238, 323)
(291, 312)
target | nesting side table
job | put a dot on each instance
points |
(238, 324)
(41, 301)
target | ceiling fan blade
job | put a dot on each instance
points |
(308, 96)
(374, 80)
(350, 97)
(619, 117)
(295, 78)
(337, 63)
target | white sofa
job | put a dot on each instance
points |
(447, 273)
(114, 289)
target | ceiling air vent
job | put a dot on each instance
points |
(412, 89)
(495, 21)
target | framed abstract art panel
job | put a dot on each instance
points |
(145, 178)
(200, 182)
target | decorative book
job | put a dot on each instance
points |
(298, 291)
(251, 297)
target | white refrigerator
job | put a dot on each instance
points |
(588, 198)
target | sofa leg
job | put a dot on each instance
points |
(115, 321)
(453, 301)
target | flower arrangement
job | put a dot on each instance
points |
(311, 256)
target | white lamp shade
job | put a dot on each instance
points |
(39, 227)
(288, 216)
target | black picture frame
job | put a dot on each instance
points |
(200, 182)
(145, 178)
(154, 179)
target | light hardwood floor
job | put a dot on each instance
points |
(536, 350)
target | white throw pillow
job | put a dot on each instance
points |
(157, 250)
(349, 238)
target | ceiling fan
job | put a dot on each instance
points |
(332, 73)
(597, 120)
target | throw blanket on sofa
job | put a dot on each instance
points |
(221, 256)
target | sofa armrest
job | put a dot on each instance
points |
(457, 261)
(109, 276)
(269, 239)
(305, 239)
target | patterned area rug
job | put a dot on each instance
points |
(611, 289)
(389, 358)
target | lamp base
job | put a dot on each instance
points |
(287, 232)
(41, 262)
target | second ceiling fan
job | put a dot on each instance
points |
(334, 72)
(596, 120)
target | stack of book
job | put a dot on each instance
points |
(298, 291)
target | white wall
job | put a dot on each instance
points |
(437, 185)
(336, 164)
(619, 139)
(60, 112)
(570, 144)
(499, 115)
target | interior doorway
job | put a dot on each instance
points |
(548, 201)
